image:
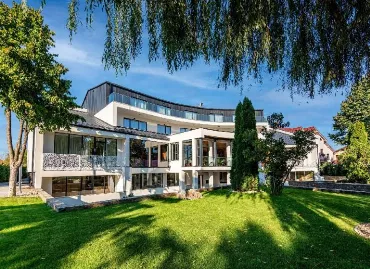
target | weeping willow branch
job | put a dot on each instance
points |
(308, 43)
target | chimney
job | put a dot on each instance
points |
(200, 104)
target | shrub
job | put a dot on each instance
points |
(250, 183)
(331, 169)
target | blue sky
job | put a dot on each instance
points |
(197, 84)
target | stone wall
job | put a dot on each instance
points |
(334, 178)
(331, 186)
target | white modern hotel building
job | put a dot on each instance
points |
(135, 144)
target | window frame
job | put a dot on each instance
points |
(139, 123)
(175, 147)
(167, 129)
(83, 149)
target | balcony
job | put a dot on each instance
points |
(74, 162)
(210, 162)
(117, 97)
(141, 163)
(216, 161)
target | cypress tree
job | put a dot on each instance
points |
(244, 170)
(236, 156)
(250, 139)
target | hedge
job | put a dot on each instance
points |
(331, 169)
(5, 171)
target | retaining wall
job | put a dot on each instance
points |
(331, 186)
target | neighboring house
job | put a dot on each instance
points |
(337, 153)
(136, 144)
(319, 155)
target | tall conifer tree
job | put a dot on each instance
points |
(244, 170)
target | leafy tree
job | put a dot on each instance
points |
(279, 160)
(276, 121)
(31, 86)
(244, 170)
(308, 42)
(354, 108)
(356, 157)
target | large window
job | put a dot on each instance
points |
(163, 129)
(140, 181)
(138, 153)
(75, 144)
(172, 179)
(88, 145)
(111, 147)
(157, 180)
(154, 156)
(67, 186)
(164, 155)
(174, 152)
(61, 143)
(84, 145)
(135, 124)
(223, 177)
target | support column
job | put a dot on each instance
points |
(164, 180)
(181, 154)
(182, 183)
(150, 156)
(195, 179)
(210, 179)
(228, 153)
(39, 150)
(228, 181)
(215, 153)
(126, 183)
(210, 152)
(194, 152)
(126, 152)
(200, 157)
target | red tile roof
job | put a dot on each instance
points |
(294, 129)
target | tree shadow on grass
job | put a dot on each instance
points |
(234, 196)
(44, 238)
(315, 232)
(250, 247)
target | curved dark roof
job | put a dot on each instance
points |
(95, 123)
(109, 87)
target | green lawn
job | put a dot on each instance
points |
(300, 229)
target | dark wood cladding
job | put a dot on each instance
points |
(97, 98)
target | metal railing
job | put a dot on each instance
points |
(210, 162)
(117, 97)
(216, 161)
(75, 162)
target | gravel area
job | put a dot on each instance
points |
(363, 230)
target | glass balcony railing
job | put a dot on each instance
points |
(117, 97)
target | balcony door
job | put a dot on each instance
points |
(99, 146)
(88, 145)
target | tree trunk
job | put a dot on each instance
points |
(12, 181)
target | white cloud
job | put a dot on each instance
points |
(184, 77)
(72, 54)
